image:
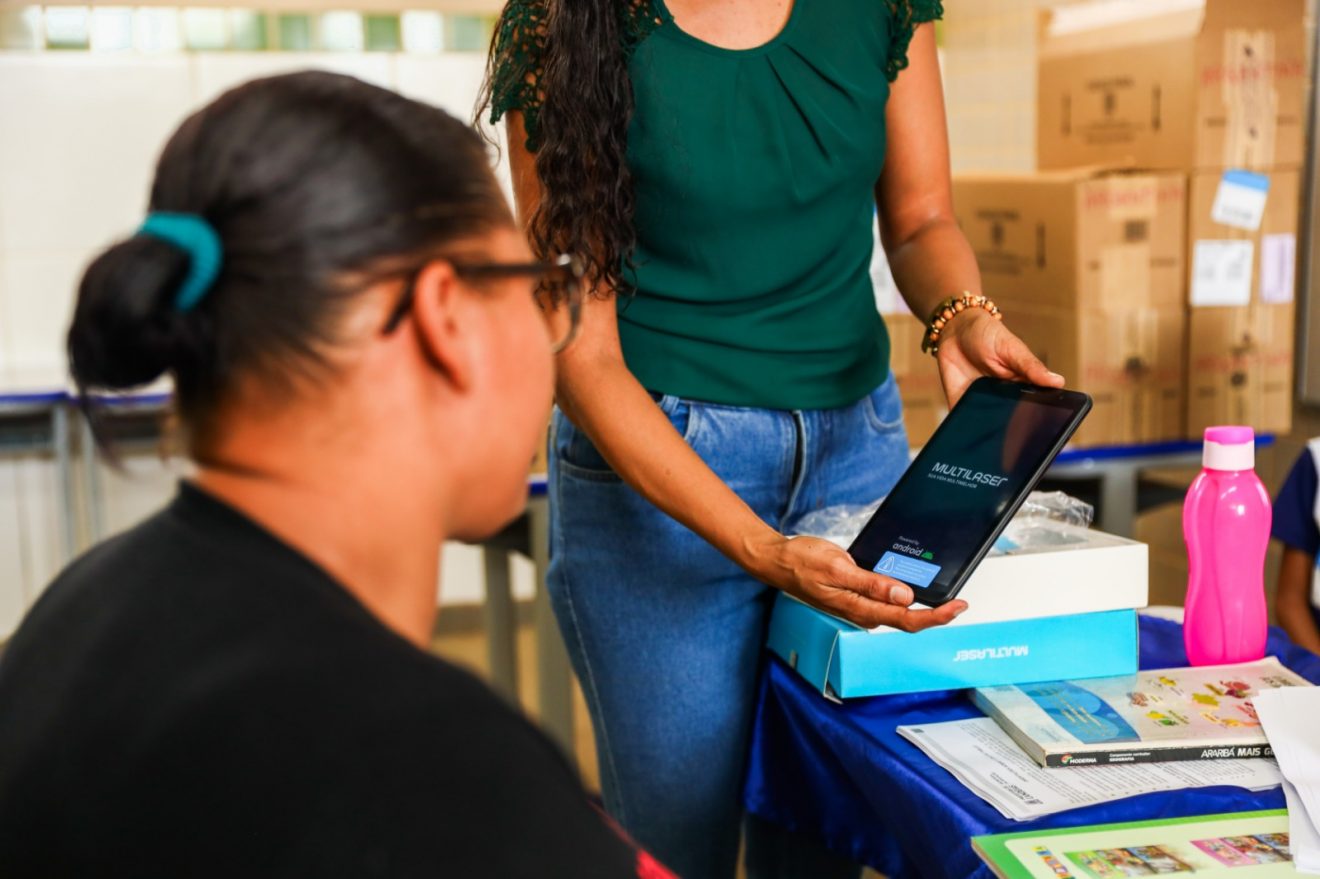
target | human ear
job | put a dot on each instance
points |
(444, 324)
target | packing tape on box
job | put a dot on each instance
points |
(1251, 99)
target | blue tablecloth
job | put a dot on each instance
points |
(842, 773)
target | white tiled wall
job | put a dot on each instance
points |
(35, 300)
(4, 342)
(214, 72)
(79, 135)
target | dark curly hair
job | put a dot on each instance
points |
(565, 65)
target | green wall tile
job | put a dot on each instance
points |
(383, 33)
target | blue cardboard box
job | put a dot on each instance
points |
(843, 661)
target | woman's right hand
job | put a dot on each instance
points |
(823, 575)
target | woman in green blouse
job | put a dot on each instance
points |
(718, 165)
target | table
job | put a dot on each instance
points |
(528, 535)
(35, 416)
(842, 774)
(142, 409)
(1117, 468)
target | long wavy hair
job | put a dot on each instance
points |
(570, 58)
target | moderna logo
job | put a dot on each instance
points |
(977, 654)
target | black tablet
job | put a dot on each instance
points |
(966, 483)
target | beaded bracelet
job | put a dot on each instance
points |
(945, 311)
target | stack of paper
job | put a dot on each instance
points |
(1290, 717)
(982, 756)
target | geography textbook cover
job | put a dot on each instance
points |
(1202, 713)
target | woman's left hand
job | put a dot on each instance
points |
(973, 343)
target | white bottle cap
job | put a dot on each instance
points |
(1229, 448)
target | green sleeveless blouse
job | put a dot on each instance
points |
(754, 174)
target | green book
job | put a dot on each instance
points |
(1242, 845)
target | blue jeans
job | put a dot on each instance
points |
(665, 633)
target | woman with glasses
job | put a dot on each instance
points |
(719, 167)
(240, 686)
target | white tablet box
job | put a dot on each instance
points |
(1064, 607)
(1044, 568)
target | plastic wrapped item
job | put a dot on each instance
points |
(1056, 506)
(839, 524)
(1030, 528)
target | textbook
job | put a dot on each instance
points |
(1200, 713)
(1210, 846)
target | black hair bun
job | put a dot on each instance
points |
(126, 331)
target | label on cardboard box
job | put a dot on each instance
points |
(1221, 272)
(1250, 74)
(1278, 261)
(1240, 200)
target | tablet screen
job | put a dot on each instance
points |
(962, 487)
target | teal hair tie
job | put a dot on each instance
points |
(195, 237)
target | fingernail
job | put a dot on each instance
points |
(1056, 375)
(959, 611)
(900, 594)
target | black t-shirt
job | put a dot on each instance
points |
(195, 698)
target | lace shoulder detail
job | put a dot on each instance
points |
(905, 15)
(640, 19)
(518, 62)
(520, 48)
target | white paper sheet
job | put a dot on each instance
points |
(983, 757)
(1291, 719)
(1221, 272)
(1240, 200)
(1278, 264)
(1303, 840)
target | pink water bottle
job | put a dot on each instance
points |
(1226, 524)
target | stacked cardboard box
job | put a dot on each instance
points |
(1240, 360)
(1214, 90)
(924, 404)
(1177, 86)
(1013, 599)
(1088, 268)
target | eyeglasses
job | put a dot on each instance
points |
(558, 293)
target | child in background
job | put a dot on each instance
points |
(1297, 527)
